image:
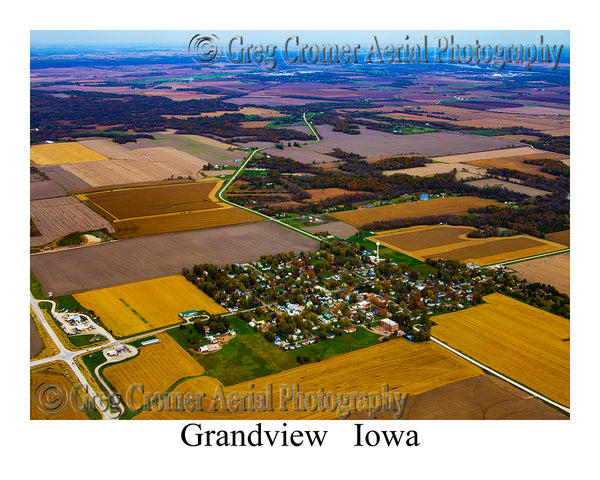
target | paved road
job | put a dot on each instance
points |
(68, 356)
(499, 375)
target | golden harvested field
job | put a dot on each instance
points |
(563, 237)
(554, 270)
(156, 367)
(451, 242)
(178, 222)
(158, 200)
(56, 374)
(520, 341)
(141, 306)
(71, 152)
(438, 206)
(404, 367)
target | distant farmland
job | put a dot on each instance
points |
(522, 342)
(71, 152)
(141, 306)
(438, 206)
(451, 242)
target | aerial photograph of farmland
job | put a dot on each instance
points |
(263, 225)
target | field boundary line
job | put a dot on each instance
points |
(502, 377)
(231, 180)
(532, 257)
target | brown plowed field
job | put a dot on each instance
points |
(41, 188)
(451, 242)
(477, 398)
(439, 206)
(554, 270)
(517, 340)
(143, 258)
(150, 201)
(61, 216)
(563, 237)
(489, 154)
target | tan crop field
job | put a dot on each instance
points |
(554, 270)
(156, 367)
(70, 152)
(563, 237)
(404, 367)
(209, 141)
(157, 200)
(522, 342)
(60, 375)
(451, 242)
(141, 306)
(438, 206)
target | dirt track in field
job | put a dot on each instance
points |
(143, 258)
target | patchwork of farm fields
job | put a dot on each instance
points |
(157, 367)
(400, 365)
(438, 206)
(133, 308)
(524, 343)
(166, 208)
(153, 256)
(68, 152)
(150, 201)
(452, 243)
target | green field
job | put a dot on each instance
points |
(245, 357)
(35, 287)
(342, 344)
(386, 252)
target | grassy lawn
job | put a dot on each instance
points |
(68, 302)
(386, 252)
(342, 344)
(35, 287)
(85, 340)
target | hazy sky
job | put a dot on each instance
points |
(182, 37)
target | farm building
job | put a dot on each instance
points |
(388, 325)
